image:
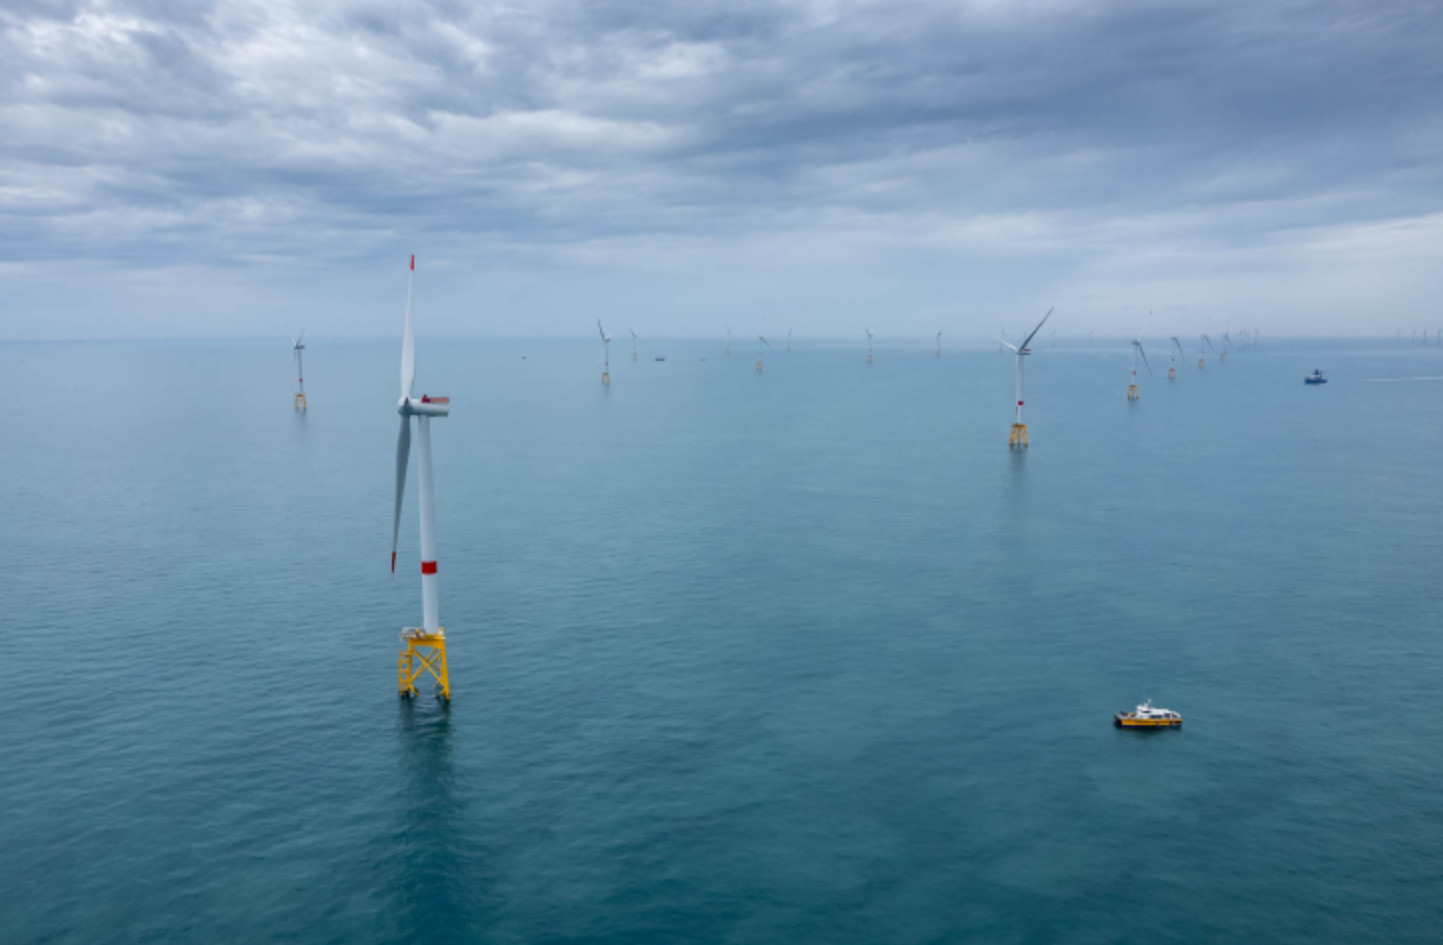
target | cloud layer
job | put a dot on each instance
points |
(923, 163)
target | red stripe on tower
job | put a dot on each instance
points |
(428, 567)
(413, 262)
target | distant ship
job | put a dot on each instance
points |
(1315, 378)
(661, 357)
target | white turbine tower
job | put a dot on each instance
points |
(633, 344)
(606, 354)
(425, 650)
(869, 344)
(1018, 436)
(764, 344)
(939, 342)
(298, 345)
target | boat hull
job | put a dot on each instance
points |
(1122, 721)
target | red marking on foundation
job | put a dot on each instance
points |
(393, 562)
(428, 567)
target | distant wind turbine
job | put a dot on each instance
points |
(764, 344)
(1137, 352)
(789, 341)
(298, 345)
(869, 344)
(1172, 371)
(729, 340)
(633, 344)
(1018, 436)
(606, 353)
(939, 342)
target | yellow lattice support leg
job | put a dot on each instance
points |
(425, 653)
(605, 377)
(1132, 392)
(1172, 373)
(301, 403)
(1018, 436)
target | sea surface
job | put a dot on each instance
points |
(805, 655)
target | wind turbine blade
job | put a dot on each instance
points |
(1009, 344)
(1036, 330)
(1144, 357)
(403, 454)
(599, 330)
(408, 341)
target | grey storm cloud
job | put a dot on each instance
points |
(1092, 147)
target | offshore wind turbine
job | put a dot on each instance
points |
(606, 354)
(633, 344)
(939, 342)
(298, 345)
(425, 650)
(789, 341)
(869, 344)
(1202, 349)
(1172, 370)
(764, 344)
(1137, 352)
(1018, 436)
(729, 340)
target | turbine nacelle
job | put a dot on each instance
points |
(426, 406)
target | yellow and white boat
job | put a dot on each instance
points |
(1145, 716)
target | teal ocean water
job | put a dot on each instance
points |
(798, 656)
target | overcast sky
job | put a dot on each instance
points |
(192, 168)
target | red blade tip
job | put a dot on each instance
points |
(393, 562)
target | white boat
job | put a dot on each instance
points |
(1147, 716)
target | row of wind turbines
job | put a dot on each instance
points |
(1017, 436)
